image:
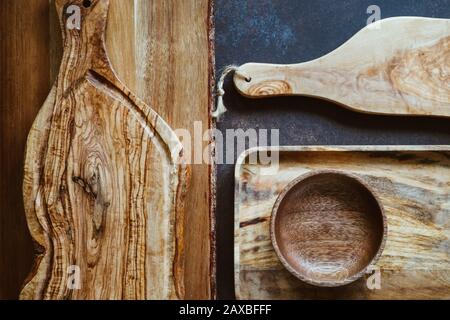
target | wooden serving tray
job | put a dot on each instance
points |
(413, 185)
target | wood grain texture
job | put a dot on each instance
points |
(413, 187)
(104, 181)
(172, 43)
(328, 228)
(163, 51)
(397, 66)
(24, 77)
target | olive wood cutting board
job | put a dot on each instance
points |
(104, 180)
(398, 66)
(411, 182)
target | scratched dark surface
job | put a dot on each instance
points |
(291, 31)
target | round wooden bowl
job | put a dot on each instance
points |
(327, 228)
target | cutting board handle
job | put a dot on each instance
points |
(395, 66)
(83, 25)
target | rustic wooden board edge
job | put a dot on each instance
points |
(331, 148)
(212, 167)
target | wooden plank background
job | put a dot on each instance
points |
(162, 50)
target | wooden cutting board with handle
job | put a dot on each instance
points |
(398, 66)
(104, 180)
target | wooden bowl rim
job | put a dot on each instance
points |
(280, 255)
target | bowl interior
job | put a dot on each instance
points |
(327, 228)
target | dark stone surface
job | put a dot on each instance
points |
(292, 31)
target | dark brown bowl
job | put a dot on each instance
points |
(327, 228)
